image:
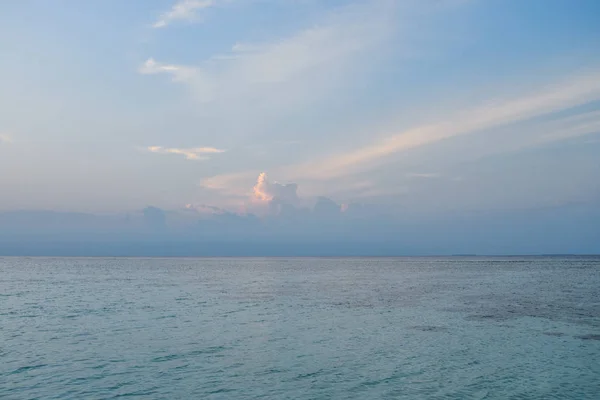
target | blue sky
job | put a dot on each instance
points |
(416, 107)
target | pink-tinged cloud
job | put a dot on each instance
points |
(264, 190)
(569, 93)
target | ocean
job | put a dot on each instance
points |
(300, 328)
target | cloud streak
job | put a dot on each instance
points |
(184, 10)
(193, 153)
(570, 93)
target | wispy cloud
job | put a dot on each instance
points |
(194, 153)
(184, 10)
(276, 70)
(231, 185)
(569, 127)
(569, 93)
(179, 73)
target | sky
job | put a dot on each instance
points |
(306, 114)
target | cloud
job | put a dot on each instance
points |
(184, 10)
(230, 184)
(204, 209)
(569, 127)
(326, 207)
(368, 232)
(263, 84)
(264, 190)
(179, 73)
(264, 197)
(194, 153)
(575, 91)
(260, 71)
(5, 138)
(539, 115)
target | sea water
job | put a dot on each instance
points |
(306, 328)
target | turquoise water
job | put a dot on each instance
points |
(406, 328)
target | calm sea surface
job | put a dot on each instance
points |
(405, 328)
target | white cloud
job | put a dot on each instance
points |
(193, 153)
(184, 10)
(298, 66)
(202, 87)
(179, 73)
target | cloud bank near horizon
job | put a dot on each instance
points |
(322, 230)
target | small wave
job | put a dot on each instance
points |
(589, 337)
(429, 328)
(27, 368)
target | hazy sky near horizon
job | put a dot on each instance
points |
(413, 105)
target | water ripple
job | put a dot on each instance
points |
(439, 328)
